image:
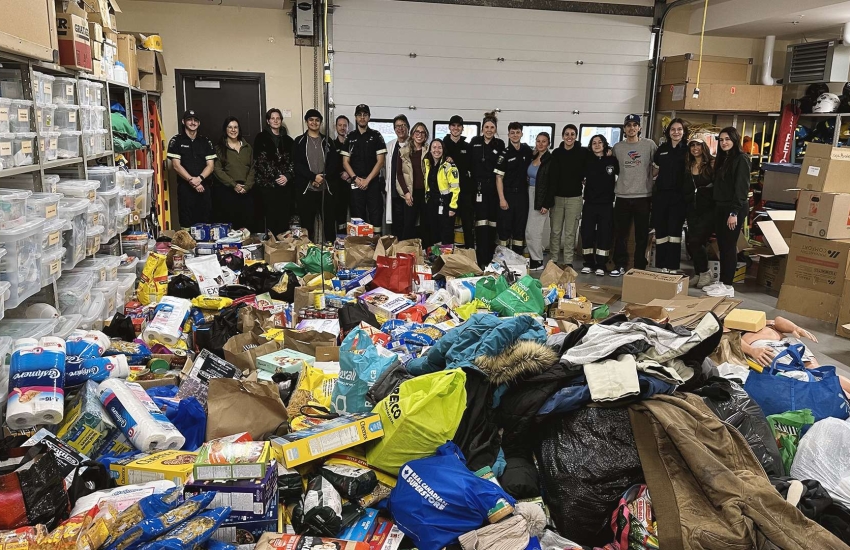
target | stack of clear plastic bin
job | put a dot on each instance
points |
(93, 316)
(44, 116)
(43, 87)
(111, 264)
(51, 266)
(23, 148)
(49, 146)
(110, 201)
(89, 142)
(19, 115)
(141, 179)
(74, 292)
(105, 175)
(7, 159)
(27, 328)
(5, 103)
(79, 189)
(21, 266)
(110, 295)
(64, 91)
(101, 137)
(69, 144)
(126, 289)
(43, 205)
(97, 266)
(74, 239)
(93, 235)
(51, 239)
(13, 207)
(65, 117)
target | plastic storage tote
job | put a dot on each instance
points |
(97, 266)
(105, 175)
(13, 207)
(21, 265)
(66, 325)
(79, 189)
(111, 263)
(122, 220)
(5, 286)
(69, 144)
(43, 205)
(86, 93)
(20, 115)
(10, 84)
(95, 214)
(65, 118)
(7, 159)
(48, 182)
(52, 236)
(126, 289)
(64, 91)
(23, 148)
(51, 266)
(49, 146)
(86, 118)
(44, 116)
(128, 266)
(4, 113)
(27, 328)
(25, 182)
(110, 295)
(93, 316)
(74, 291)
(74, 239)
(43, 87)
(101, 137)
(89, 143)
(95, 93)
(112, 247)
(111, 202)
(93, 235)
(97, 116)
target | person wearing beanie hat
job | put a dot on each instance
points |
(315, 158)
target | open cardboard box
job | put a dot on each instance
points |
(773, 251)
(641, 287)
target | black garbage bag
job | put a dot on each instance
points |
(120, 327)
(33, 489)
(817, 505)
(733, 405)
(284, 289)
(259, 276)
(352, 314)
(212, 336)
(181, 286)
(587, 460)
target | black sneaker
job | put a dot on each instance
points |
(534, 265)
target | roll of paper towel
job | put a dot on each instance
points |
(36, 382)
(98, 369)
(138, 416)
(168, 319)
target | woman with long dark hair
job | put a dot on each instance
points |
(411, 185)
(274, 166)
(731, 187)
(537, 227)
(442, 182)
(233, 201)
(485, 153)
(699, 186)
(668, 201)
(597, 215)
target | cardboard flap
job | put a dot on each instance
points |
(773, 237)
(597, 294)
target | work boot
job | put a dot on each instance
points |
(704, 280)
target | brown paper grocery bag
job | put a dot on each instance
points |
(384, 246)
(239, 406)
(360, 251)
(459, 262)
(306, 341)
(409, 246)
(243, 349)
(554, 275)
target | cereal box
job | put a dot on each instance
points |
(327, 438)
(222, 460)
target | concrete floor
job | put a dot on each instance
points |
(830, 349)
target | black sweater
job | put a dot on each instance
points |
(270, 161)
(567, 171)
(303, 172)
(600, 176)
(732, 184)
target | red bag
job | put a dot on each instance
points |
(395, 274)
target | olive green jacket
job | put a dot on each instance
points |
(237, 167)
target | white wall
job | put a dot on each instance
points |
(223, 38)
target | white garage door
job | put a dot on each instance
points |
(430, 61)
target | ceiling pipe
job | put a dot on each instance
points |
(845, 33)
(767, 60)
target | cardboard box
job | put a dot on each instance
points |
(598, 294)
(359, 228)
(249, 499)
(574, 309)
(103, 12)
(824, 215)
(745, 319)
(327, 438)
(817, 264)
(385, 303)
(74, 42)
(641, 287)
(715, 70)
(176, 466)
(780, 183)
(720, 97)
(285, 360)
(96, 52)
(219, 460)
(127, 46)
(151, 68)
(825, 168)
(843, 328)
(95, 31)
(819, 305)
(771, 271)
(29, 29)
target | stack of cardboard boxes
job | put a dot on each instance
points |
(103, 32)
(87, 34)
(816, 275)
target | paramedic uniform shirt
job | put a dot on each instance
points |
(512, 165)
(193, 154)
(363, 151)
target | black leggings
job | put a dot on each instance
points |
(700, 229)
(727, 241)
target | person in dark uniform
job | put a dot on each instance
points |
(668, 200)
(273, 172)
(363, 161)
(485, 153)
(512, 186)
(458, 152)
(597, 215)
(699, 176)
(315, 158)
(193, 158)
(340, 180)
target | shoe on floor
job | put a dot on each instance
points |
(712, 286)
(704, 280)
(721, 291)
(616, 273)
(600, 272)
(586, 270)
(534, 265)
(665, 270)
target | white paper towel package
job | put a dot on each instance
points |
(138, 416)
(36, 382)
(463, 290)
(168, 319)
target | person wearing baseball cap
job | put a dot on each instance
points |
(634, 194)
(315, 158)
(698, 191)
(363, 161)
(458, 151)
(193, 158)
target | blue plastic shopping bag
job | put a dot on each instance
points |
(360, 366)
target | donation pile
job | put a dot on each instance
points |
(268, 392)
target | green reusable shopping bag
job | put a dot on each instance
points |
(524, 296)
(788, 428)
(419, 416)
(488, 288)
(314, 262)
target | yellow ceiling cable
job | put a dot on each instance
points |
(701, 41)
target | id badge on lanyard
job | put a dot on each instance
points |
(479, 197)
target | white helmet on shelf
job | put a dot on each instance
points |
(826, 103)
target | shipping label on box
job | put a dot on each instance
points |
(171, 465)
(327, 438)
(817, 264)
(824, 215)
(641, 287)
(825, 168)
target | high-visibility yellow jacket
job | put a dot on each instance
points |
(448, 181)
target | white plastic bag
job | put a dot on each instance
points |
(822, 456)
(207, 272)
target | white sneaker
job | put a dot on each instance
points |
(722, 291)
(600, 272)
(712, 286)
(586, 270)
(665, 270)
(616, 273)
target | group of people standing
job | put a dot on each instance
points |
(504, 194)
